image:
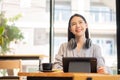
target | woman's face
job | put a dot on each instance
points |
(78, 26)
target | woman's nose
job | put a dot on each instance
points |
(77, 25)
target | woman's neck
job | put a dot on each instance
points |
(80, 42)
(81, 39)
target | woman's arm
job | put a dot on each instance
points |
(58, 58)
(100, 60)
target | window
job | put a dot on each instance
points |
(35, 24)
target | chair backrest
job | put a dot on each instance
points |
(10, 65)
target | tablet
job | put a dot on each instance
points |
(80, 64)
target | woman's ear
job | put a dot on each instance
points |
(86, 25)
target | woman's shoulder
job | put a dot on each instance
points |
(64, 44)
(95, 46)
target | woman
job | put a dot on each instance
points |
(79, 44)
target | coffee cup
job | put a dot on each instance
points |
(47, 66)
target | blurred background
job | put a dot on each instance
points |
(36, 26)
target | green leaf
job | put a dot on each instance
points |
(1, 30)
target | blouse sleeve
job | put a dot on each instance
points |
(58, 58)
(98, 55)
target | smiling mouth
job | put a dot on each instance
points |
(78, 30)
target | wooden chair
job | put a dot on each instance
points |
(10, 66)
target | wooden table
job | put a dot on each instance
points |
(67, 76)
(24, 57)
(90, 76)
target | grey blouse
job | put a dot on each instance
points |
(93, 51)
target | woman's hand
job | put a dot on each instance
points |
(101, 70)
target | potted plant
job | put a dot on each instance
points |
(8, 32)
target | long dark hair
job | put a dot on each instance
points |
(72, 36)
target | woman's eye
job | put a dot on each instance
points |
(80, 22)
(73, 24)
